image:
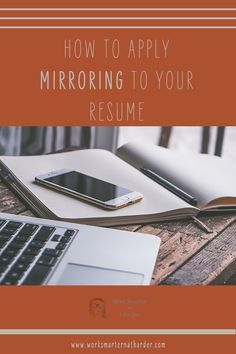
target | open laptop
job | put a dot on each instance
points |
(35, 251)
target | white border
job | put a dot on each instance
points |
(117, 27)
(117, 9)
(116, 18)
(99, 9)
(117, 331)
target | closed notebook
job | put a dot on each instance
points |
(158, 203)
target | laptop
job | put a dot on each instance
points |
(35, 251)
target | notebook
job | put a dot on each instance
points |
(210, 179)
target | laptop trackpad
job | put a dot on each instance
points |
(77, 274)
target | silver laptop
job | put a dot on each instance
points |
(36, 251)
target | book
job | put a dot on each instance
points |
(208, 178)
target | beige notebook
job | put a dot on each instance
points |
(210, 179)
(158, 203)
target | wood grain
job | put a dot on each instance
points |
(181, 240)
(214, 264)
(187, 254)
(8, 202)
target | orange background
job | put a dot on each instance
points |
(210, 54)
(174, 344)
(166, 308)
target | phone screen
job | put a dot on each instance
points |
(89, 186)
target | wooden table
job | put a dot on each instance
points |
(188, 255)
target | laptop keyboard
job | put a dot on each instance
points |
(30, 251)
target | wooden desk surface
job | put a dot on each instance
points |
(188, 255)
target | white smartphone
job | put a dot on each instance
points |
(90, 189)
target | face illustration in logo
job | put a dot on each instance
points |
(97, 307)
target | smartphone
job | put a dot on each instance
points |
(90, 189)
